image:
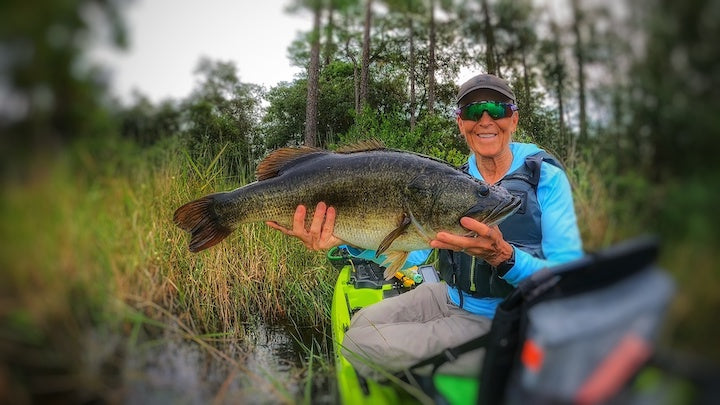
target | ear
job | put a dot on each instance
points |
(460, 124)
(514, 120)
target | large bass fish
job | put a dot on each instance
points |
(390, 201)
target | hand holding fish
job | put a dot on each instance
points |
(320, 235)
(487, 242)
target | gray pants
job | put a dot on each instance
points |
(400, 331)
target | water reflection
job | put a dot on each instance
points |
(271, 366)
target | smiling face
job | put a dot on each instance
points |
(487, 137)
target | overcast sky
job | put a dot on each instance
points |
(167, 38)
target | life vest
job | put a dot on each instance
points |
(523, 230)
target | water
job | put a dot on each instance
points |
(269, 367)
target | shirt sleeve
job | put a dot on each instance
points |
(561, 241)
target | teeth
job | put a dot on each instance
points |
(486, 135)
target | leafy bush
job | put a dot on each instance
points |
(434, 135)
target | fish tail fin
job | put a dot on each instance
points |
(395, 259)
(200, 220)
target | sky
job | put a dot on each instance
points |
(167, 39)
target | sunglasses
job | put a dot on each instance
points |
(495, 109)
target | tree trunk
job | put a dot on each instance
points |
(580, 55)
(559, 85)
(431, 61)
(365, 71)
(329, 45)
(528, 108)
(411, 29)
(356, 78)
(311, 109)
(490, 61)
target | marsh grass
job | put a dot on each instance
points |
(89, 245)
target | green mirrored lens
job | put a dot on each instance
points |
(474, 111)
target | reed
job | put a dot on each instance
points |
(89, 244)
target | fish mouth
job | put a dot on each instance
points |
(502, 211)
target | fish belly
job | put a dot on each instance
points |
(368, 237)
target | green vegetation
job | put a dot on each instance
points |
(93, 271)
(91, 244)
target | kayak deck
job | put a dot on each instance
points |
(349, 296)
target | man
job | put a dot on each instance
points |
(478, 271)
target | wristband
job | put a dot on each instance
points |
(505, 266)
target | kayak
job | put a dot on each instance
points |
(359, 284)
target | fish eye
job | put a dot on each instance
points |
(484, 190)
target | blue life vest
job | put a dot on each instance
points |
(522, 230)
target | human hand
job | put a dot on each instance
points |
(320, 235)
(485, 242)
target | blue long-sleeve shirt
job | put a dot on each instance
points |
(561, 237)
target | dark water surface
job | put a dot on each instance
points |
(271, 366)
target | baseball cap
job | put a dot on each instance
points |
(485, 81)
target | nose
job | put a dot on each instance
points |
(485, 120)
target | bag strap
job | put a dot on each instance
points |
(629, 257)
(449, 354)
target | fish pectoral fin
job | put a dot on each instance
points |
(394, 234)
(394, 261)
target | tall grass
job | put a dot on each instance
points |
(89, 245)
(257, 272)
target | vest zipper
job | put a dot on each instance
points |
(473, 288)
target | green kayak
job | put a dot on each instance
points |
(361, 284)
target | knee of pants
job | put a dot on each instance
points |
(365, 358)
(361, 319)
(350, 349)
(352, 343)
(362, 342)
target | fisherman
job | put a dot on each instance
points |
(478, 270)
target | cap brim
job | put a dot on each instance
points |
(500, 90)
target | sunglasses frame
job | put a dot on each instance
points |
(512, 106)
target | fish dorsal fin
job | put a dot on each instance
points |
(280, 159)
(362, 146)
